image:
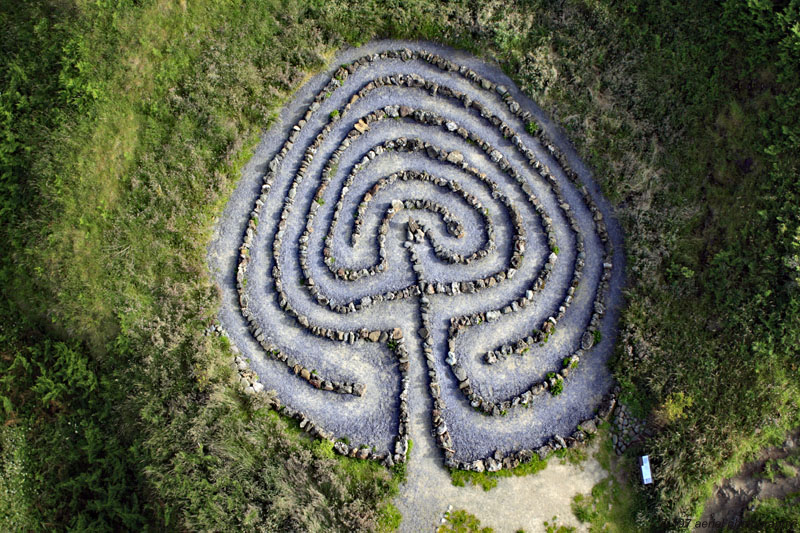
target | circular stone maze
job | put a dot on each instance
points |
(415, 241)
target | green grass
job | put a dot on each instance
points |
(774, 515)
(488, 480)
(573, 456)
(778, 468)
(125, 126)
(608, 508)
(552, 526)
(614, 503)
(558, 387)
(460, 521)
(389, 518)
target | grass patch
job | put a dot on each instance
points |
(573, 456)
(774, 515)
(488, 480)
(609, 507)
(460, 521)
(614, 504)
(389, 518)
(552, 526)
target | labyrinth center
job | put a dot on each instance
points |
(410, 241)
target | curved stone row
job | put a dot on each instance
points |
(396, 111)
(252, 386)
(269, 349)
(454, 158)
(454, 227)
(417, 231)
(570, 361)
(477, 401)
(521, 346)
(499, 461)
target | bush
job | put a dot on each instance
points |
(81, 474)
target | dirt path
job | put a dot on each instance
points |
(735, 495)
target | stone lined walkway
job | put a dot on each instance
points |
(415, 250)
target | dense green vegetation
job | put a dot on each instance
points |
(774, 515)
(123, 126)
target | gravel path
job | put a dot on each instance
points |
(464, 268)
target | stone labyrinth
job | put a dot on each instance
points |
(412, 215)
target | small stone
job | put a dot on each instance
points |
(587, 340)
(459, 372)
(455, 157)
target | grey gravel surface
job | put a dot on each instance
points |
(373, 418)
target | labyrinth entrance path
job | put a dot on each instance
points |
(416, 252)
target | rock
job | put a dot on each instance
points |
(587, 340)
(588, 426)
(359, 389)
(492, 465)
(542, 452)
(341, 448)
(455, 157)
(374, 336)
(459, 372)
(397, 334)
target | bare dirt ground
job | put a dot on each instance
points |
(737, 494)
